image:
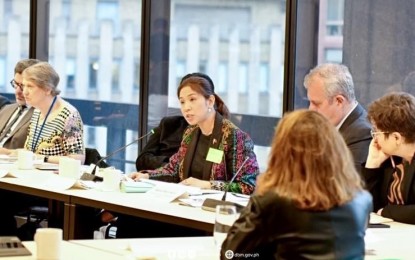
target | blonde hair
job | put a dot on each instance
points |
(310, 163)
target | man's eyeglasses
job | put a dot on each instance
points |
(16, 85)
(374, 133)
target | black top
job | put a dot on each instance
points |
(274, 228)
(199, 157)
(356, 133)
(379, 181)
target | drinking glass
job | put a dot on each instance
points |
(224, 219)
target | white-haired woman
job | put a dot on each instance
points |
(56, 127)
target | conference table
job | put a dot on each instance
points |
(44, 184)
(37, 183)
(381, 243)
(395, 242)
(71, 251)
(140, 205)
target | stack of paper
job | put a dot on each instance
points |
(377, 219)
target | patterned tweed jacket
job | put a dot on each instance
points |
(227, 137)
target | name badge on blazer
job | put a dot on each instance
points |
(214, 155)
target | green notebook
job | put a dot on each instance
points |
(137, 186)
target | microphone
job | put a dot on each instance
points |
(91, 176)
(210, 204)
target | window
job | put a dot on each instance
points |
(375, 45)
(102, 69)
(109, 10)
(263, 77)
(14, 27)
(242, 37)
(335, 10)
(333, 55)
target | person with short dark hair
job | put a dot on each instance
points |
(309, 203)
(389, 170)
(14, 124)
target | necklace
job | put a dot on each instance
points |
(36, 138)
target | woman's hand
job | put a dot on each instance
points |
(7, 151)
(139, 175)
(196, 183)
(375, 156)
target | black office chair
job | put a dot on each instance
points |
(92, 156)
(34, 216)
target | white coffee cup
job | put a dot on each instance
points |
(69, 167)
(112, 179)
(24, 159)
(48, 243)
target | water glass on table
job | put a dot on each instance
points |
(224, 219)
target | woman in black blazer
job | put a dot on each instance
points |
(309, 203)
(389, 171)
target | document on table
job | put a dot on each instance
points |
(6, 159)
(377, 219)
(169, 192)
(47, 166)
(196, 200)
(6, 173)
(63, 183)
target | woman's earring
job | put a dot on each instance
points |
(209, 110)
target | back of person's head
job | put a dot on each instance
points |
(203, 84)
(24, 64)
(43, 75)
(309, 163)
(394, 112)
(337, 80)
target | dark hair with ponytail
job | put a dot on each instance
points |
(203, 84)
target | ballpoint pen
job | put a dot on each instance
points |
(203, 193)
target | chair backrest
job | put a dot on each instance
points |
(92, 156)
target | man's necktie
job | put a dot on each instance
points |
(7, 129)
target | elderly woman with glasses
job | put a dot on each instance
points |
(389, 171)
(56, 127)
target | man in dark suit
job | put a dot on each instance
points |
(330, 91)
(15, 118)
(14, 124)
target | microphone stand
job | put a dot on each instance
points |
(92, 177)
(210, 204)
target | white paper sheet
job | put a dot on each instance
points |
(377, 219)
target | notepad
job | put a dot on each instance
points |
(12, 246)
(136, 187)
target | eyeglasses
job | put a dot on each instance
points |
(374, 133)
(16, 85)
